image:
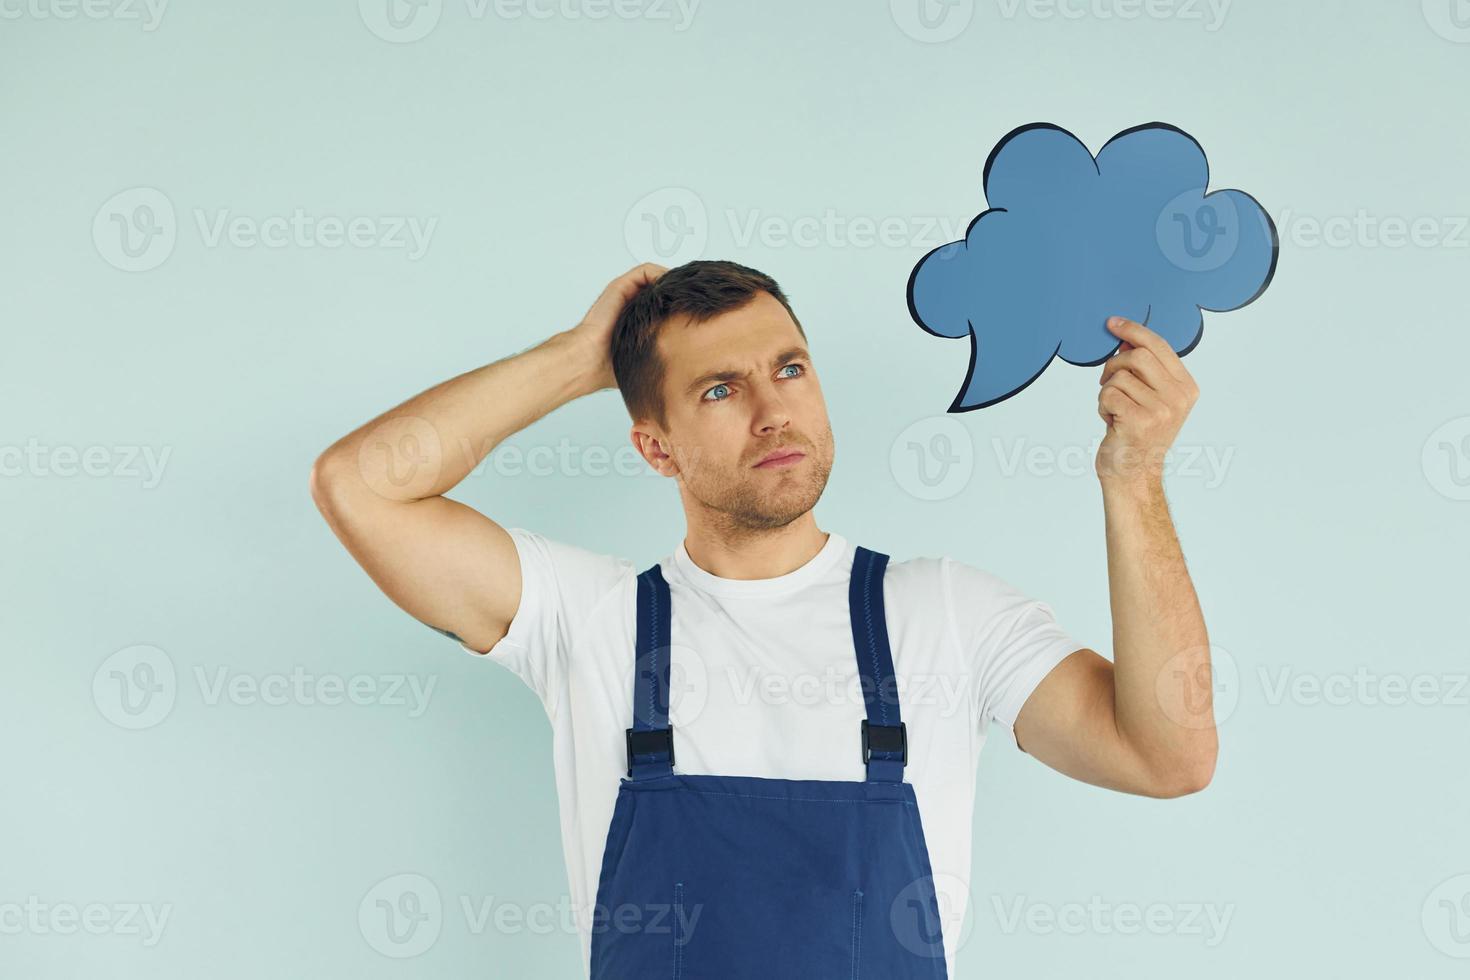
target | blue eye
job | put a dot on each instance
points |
(727, 387)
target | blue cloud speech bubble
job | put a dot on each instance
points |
(1069, 240)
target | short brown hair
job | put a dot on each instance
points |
(701, 290)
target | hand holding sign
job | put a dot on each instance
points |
(1146, 395)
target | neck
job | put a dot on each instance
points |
(748, 553)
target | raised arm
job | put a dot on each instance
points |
(1143, 723)
(381, 487)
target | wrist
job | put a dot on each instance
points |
(591, 368)
(1142, 484)
(1130, 468)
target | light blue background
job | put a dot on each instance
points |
(1333, 541)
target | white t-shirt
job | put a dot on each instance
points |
(764, 682)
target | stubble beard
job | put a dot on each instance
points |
(749, 499)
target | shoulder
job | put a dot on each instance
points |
(571, 575)
(944, 577)
(565, 552)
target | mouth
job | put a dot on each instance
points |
(781, 458)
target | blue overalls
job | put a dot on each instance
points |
(708, 876)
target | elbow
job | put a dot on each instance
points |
(326, 483)
(319, 482)
(1185, 775)
(1185, 783)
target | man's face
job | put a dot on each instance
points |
(738, 387)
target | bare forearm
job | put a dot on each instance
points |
(1160, 646)
(428, 444)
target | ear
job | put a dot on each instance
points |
(650, 449)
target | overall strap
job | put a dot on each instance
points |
(884, 738)
(650, 742)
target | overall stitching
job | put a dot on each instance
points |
(790, 799)
(872, 639)
(679, 940)
(653, 653)
(857, 935)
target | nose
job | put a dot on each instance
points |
(770, 414)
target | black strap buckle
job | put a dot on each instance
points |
(885, 738)
(649, 741)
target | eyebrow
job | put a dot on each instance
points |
(780, 360)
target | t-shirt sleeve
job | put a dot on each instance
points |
(1008, 641)
(560, 584)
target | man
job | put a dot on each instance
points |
(766, 608)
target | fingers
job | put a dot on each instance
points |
(1140, 336)
(641, 274)
(617, 293)
(634, 279)
(603, 312)
(1149, 356)
(1141, 362)
(1113, 402)
(1133, 388)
